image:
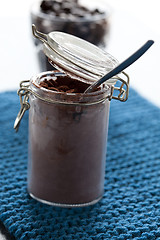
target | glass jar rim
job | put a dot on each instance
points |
(51, 96)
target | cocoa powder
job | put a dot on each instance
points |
(65, 84)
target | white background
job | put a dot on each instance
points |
(133, 23)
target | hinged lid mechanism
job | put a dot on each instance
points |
(76, 56)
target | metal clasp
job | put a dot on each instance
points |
(23, 94)
(122, 90)
(24, 91)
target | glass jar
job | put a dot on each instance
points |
(68, 131)
(67, 142)
(90, 22)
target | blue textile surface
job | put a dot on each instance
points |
(130, 208)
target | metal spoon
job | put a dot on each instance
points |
(121, 66)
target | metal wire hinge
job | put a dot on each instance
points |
(123, 90)
(23, 94)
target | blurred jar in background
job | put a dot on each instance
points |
(87, 20)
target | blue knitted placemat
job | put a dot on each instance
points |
(130, 208)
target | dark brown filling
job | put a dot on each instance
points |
(65, 84)
(72, 8)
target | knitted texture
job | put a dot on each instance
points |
(130, 208)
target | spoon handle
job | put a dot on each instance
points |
(126, 63)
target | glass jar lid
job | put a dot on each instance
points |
(75, 56)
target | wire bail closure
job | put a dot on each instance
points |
(122, 93)
(23, 94)
(25, 90)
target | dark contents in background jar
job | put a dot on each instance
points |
(71, 17)
(78, 20)
(65, 84)
(60, 8)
